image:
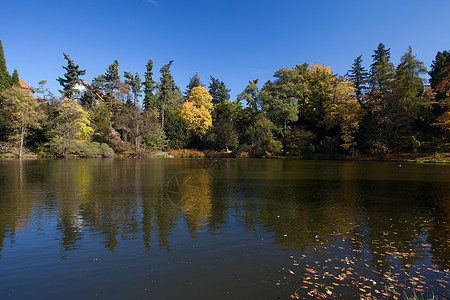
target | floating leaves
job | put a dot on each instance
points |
(376, 270)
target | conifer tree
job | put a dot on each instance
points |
(382, 71)
(218, 91)
(111, 78)
(168, 93)
(5, 80)
(15, 78)
(359, 76)
(134, 81)
(149, 87)
(410, 84)
(71, 77)
(437, 71)
(193, 82)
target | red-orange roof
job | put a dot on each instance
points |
(23, 84)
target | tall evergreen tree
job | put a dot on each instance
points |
(194, 81)
(134, 81)
(109, 82)
(219, 91)
(382, 71)
(410, 83)
(168, 93)
(149, 87)
(359, 77)
(71, 77)
(111, 77)
(5, 80)
(15, 78)
(437, 71)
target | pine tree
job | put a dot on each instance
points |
(218, 91)
(5, 80)
(359, 77)
(149, 87)
(71, 77)
(193, 82)
(134, 81)
(381, 70)
(168, 93)
(15, 78)
(111, 78)
(437, 71)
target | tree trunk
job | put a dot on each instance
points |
(284, 138)
(136, 138)
(162, 118)
(22, 133)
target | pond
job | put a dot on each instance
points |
(223, 229)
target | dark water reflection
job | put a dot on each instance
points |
(232, 229)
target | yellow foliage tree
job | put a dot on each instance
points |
(196, 111)
(344, 111)
(71, 124)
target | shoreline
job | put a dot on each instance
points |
(436, 158)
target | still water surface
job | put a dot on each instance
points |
(225, 229)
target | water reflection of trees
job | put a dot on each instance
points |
(301, 206)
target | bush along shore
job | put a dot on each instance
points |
(437, 157)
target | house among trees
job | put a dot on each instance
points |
(26, 89)
(82, 88)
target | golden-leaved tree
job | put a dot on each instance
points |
(70, 126)
(344, 111)
(196, 110)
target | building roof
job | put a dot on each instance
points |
(24, 85)
(97, 93)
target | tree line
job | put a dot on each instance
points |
(304, 111)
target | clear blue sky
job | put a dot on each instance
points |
(235, 40)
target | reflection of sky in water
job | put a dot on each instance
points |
(264, 228)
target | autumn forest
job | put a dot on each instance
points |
(305, 111)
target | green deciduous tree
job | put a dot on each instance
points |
(71, 77)
(139, 124)
(22, 112)
(251, 96)
(225, 135)
(261, 137)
